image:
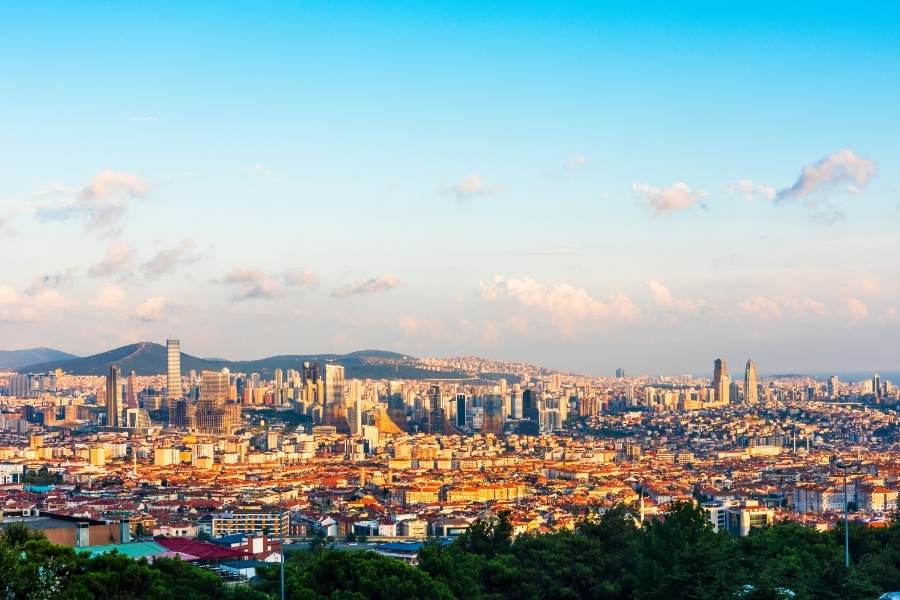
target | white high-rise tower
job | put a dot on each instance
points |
(173, 369)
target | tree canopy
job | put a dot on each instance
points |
(609, 557)
(605, 557)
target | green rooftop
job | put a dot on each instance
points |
(131, 549)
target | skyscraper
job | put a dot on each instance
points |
(434, 416)
(493, 414)
(19, 385)
(131, 393)
(876, 387)
(334, 384)
(113, 398)
(530, 405)
(215, 415)
(751, 391)
(310, 372)
(721, 381)
(833, 385)
(334, 412)
(173, 369)
(461, 411)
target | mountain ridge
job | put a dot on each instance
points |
(149, 358)
(13, 359)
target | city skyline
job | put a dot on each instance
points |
(579, 187)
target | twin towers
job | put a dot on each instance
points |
(722, 383)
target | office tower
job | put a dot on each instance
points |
(310, 372)
(493, 415)
(173, 385)
(620, 373)
(721, 381)
(215, 415)
(461, 411)
(113, 398)
(396, 405)
(833, 385)
(173, 369)
(530, 405)
(130, 392)
(354, 406)
(18, 386)
(515, 403)
(279, 379)
(751, 391)
(334, 385)
(434, 411)
(432, 405)
(334, 412)
(876, 387)
(563, 409)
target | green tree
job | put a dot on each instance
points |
(351, 575)
(682, 557)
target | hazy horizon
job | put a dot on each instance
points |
(736, 368)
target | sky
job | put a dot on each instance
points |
(581, 185)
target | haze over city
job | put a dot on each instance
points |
(580, 186)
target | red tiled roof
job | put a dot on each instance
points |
(202, 550)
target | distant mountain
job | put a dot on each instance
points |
(13, 359)
(148, 358)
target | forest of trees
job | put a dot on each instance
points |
(609, 557)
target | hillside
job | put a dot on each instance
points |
(148, 358)
(13, 359)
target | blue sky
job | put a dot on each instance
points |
(586, 186)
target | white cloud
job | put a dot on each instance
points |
(151, 309)
(300, 277)
(251, 284)
(471, 186)
(109, 296)
(777, 307)
(118, 259)
(101, 203)
(856, 308)
(843, 166)
(567, 305)
(677, 196)
(751, 190)
(368, 286)
(167, 260)
(664, 299)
